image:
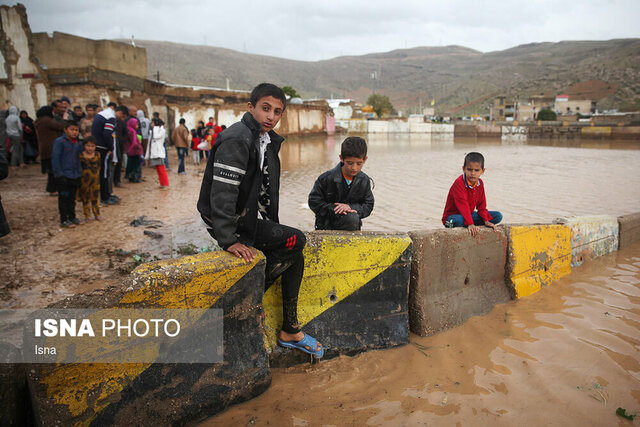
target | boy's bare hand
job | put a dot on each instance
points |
(342, 209)
(491, 225)
(474, 230)
(241, 251)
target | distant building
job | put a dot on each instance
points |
(566, 105)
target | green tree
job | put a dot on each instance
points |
(291, 92)
(547, 114)
(380, 103)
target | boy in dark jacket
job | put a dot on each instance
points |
(466, 195)
(65, 161)
(341, 197)
(242, 181)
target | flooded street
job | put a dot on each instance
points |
(568, 355)
(528, 182)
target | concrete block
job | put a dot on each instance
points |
(419, 127)
(536, 256)
(358, 125)
(591, 236)
(629, 229)
(454, 276)
(353, 296)
(489, 130)
(398, 126)
(442, 128)
(378, 126)
(163, 393)
(465, 130)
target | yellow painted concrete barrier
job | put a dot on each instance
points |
(165, 393)
(536, 256)
(353, 296)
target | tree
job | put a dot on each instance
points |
(291, 92)
(380, 103)
(547, 114)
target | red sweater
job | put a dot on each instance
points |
(463, 200)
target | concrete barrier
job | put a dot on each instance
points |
(415, 127)
(378, 126)
(595, 131)
(465, 130)
(163, 393)
(591, 236)
(629, 229)
(536, 256)
(442, 128)
(454, 276)
(488, 130)
(358, 125)
(353, 296)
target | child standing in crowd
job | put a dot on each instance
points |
(466, 195)
(195, 140)
(156, 151)
(65, 160)
(133, 148)
(87, 121)
(341, 197)
(90, 180)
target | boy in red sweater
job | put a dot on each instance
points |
(467, 194)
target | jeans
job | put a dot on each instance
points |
(166, 157)
(182, 152)
(458, 220)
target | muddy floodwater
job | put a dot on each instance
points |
(568, 355)
(528, 181)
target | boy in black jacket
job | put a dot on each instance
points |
(341, 197)
(242, 181)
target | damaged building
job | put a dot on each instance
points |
(37, 68)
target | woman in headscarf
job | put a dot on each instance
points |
(30, 138)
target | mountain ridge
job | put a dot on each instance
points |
(454, 76)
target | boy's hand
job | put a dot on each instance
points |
(342, 209)
(491, 225)
(474, 230)
(241, 251)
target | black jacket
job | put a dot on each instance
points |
(228, 201)
(328, 189)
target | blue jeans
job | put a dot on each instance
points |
(182, 151)
(458, 220)
(166, 157)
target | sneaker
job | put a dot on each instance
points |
(114, 200)
(76, 221)
(99, 218)
(67, 224)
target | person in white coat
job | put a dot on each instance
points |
(156, 152)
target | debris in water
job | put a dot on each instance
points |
(153, 234)
(623, 413)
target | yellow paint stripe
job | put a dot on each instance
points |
(205, 278)
(333, 271)
(539, 255)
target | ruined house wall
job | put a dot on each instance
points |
(22, 82)
(67, 51)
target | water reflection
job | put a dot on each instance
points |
(528, 180)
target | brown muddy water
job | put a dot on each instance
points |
(528, 181)
(568, 355)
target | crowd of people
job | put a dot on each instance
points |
(84, 151)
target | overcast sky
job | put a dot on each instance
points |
(315, 30)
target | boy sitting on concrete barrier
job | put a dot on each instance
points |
(242, 181)
(467, 194)
(342, 196)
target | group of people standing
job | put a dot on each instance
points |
(84, 151)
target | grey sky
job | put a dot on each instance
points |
(315, 30)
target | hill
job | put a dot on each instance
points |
(458, 78)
